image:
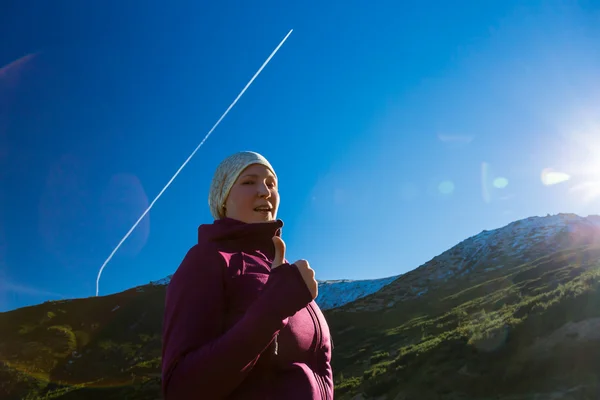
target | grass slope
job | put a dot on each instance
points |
(511, 333)
(485, 336)
(105, 348)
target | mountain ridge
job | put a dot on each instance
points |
(521, 240)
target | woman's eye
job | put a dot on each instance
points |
(248, 183)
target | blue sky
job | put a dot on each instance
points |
(397, 130)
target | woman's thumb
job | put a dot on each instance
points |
(279, 252)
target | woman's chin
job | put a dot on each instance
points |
(263, 217)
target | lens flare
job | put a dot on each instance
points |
(550, 177)
(500, 182)
(446, 187)
(485, 193)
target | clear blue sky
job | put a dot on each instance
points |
(397, 129)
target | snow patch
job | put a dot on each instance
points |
(336, 293)
(162, 282)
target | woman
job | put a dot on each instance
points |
(240, 322)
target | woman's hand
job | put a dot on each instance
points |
(308, 274)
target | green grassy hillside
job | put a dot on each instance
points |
(100, 347)
(522, 332)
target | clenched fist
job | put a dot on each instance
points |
(308, 274)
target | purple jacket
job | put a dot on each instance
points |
(234, 329)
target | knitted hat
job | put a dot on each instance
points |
(225, 176)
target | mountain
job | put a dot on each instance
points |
(519, 242)
(512, 313)
(336, 293)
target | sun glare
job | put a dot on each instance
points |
(583, 170)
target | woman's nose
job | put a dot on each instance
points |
(263, 190)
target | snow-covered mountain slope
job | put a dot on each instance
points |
(522, 240)
(516, 243)
(332, 293)
(336, 293)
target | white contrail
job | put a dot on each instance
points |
(188, 159)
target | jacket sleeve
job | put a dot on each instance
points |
(198, 358)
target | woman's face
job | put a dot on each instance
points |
(254, 196)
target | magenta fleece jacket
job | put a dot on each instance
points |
(234, 329)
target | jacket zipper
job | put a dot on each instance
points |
(318, 377)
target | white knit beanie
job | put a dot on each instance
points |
(225, 176)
